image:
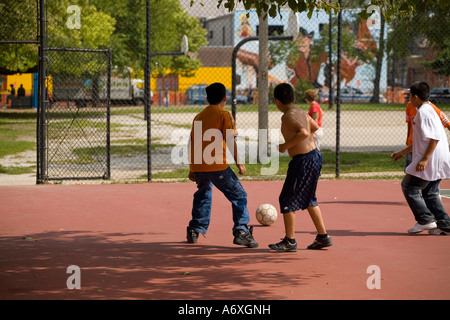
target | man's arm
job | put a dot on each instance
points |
(430, 149)
(232, 146)
(314, 125)
(237, 160)
(426, 157)
(293, 126)
(399, 154)
(409, 124)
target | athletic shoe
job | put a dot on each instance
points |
(421, 227)
(284, 246)
(191, 236)
(243, 238)
(438, 232)
(321, 242)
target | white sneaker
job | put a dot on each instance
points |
(438, 232)
(421, 227)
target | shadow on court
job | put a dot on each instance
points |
(115, 269)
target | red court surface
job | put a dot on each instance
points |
(129, 243)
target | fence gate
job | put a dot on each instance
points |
(77, 114)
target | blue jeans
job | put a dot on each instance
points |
(228, 183)
(424, 200)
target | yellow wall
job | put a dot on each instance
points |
(202, 76)
(17, 79)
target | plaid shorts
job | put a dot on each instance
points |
(299, 189)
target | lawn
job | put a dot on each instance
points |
(18, 134)
(350, 162)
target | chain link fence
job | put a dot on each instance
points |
(120, 97)
(78, 114)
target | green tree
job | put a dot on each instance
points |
(168, 23)
(20, 58)
(392, 9)
(441, 64)
(17, 23)
(430, 25)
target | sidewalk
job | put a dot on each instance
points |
(17, 179)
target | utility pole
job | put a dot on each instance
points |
(263, 81)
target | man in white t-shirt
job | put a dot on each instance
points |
(430, 164)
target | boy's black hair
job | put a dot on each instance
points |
(284, 93)
(215, 93)
(420, 89)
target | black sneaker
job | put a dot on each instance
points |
(191, 236)
(321, 242)
(243, 238)
(284, 246)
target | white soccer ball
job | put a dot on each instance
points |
(266, 214)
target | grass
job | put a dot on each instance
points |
(350, 162)
(18, 134)
(87, 155)
(16, 170)
(129, 110)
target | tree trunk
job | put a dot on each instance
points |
(380, 56)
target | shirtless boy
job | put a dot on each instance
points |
(299, 189)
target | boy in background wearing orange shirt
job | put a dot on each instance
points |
(411, 112)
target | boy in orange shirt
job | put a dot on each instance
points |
(213, 131)
(411, 112)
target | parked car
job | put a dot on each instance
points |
(197, 93)
(354, 95)
(440, 95)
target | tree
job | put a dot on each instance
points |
(391, 9)
(20, 58)
(441, 64)
(168, 23)
(18, 23)
(429, 25)
(379, 61)
(104, 24)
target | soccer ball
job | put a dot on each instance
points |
(266, 214)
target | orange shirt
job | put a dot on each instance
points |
(411, 112)
(210, 130)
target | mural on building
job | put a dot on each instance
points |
(308, 60)
(245, 29)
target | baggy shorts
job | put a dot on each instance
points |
(299, 189)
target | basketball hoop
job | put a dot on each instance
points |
(184, 45)
(292, 27)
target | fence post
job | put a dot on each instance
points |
(108, 118)
(330, 62)
(338, 93)
(147, 94)
(263, 79)
(41, 159)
